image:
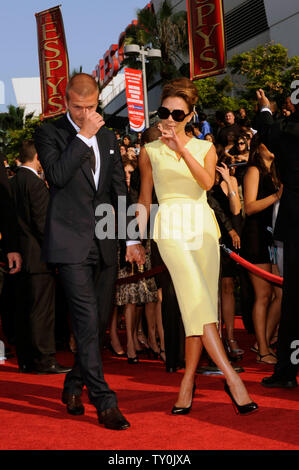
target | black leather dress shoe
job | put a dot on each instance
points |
(27, 368)
(73, 403)
(171, 369)
(53, 368)
(276, 382)
(113, 419)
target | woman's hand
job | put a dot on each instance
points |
(224, 171)
(235, 239)
(170, 138)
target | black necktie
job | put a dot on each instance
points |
(92, 159)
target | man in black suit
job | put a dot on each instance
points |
(282, 138)
(8, 224)
(11, 259)
(83, 167)
(35, 294)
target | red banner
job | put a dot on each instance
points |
(206, 38)
(135, 103)
(53, 61)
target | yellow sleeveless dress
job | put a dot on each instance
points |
(187, 234)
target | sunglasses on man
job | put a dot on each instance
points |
(178, 115)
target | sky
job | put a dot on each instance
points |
(91, 26)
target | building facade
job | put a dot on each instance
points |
(248, 24)
(28, 94)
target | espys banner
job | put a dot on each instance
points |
(206, 38)
(53, 61)
(135, 103)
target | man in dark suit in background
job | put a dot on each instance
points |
(282, 138)
(82, 165)
(35, 287)
(11, 259)
(231, 126)
(8, 224)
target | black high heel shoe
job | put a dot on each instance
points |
(183, 411)
(114, 353)
(241, 409)
(133, 360)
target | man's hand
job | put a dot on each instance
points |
(262, 99)
(92, 122)
(14, 262)
(135, 253)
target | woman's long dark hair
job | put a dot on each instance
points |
(255, 159)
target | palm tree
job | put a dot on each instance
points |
(75, 71)
(163, 30)
(13, 119)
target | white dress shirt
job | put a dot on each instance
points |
(92, 142)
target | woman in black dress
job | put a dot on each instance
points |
(224, 200)
(261, 191)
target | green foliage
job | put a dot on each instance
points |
(12, 119)
(268, 67)
(215, 94)
(20, 130)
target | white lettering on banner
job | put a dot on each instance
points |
(133, 100)
(131, 87)
(134, 95)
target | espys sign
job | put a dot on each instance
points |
(53, 61)
(135, 103)
(206, 38)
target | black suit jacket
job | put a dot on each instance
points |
(71, 220)
(8, 219)
(31, 198)
(282, 138)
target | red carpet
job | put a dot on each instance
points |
(33, 417)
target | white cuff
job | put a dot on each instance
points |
(133, 242)
(265, 108)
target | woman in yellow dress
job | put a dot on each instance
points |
(182, 169)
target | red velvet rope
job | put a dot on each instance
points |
(238, 259)
(252, 267)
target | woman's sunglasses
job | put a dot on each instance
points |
(178, 115)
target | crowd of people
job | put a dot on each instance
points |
(245, 195)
